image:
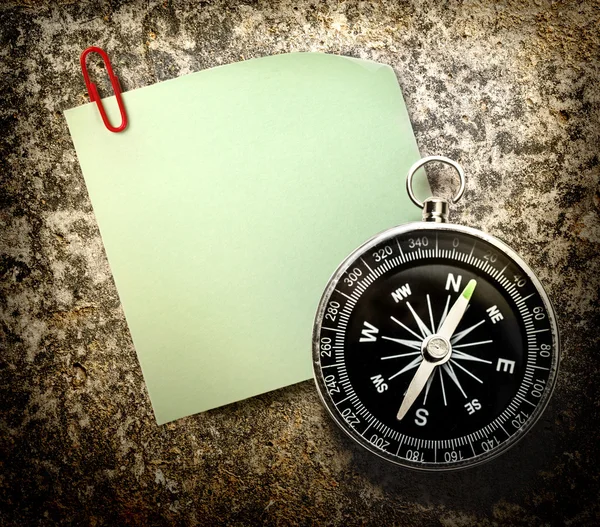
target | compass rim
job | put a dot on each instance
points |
(318, 324)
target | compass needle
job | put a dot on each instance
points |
(416, 344)
(406, 328)
(472, 344)
(445, 313)
(428, 386)
(413, 364)
(434, 345)
(450, 371)
(416, 385)
(468, 372)
(401, 355)
(457, 311)
(456, 354)
(424, 329)
(443, 389)
(430, 314)
(465, 332)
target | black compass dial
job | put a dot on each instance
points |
(435, 346)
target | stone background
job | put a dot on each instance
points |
(509, 89)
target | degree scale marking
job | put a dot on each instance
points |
(384, 266)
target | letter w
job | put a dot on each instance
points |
(368, 333)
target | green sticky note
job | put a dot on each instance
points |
(227, 203)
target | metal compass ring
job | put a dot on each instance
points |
(441, 159)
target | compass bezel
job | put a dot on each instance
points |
(422, 227)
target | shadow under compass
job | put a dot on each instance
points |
(478, 488)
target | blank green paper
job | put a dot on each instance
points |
(228, 202)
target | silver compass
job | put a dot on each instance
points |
(435, 345)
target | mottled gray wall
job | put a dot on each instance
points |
(509, 89)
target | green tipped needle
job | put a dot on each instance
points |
(468, 292)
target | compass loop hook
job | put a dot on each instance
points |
(441, 159)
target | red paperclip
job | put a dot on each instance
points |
(93, 91)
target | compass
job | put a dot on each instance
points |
(435, 346)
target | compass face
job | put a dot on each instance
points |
(435, 346)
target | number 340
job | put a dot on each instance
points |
(418, 242)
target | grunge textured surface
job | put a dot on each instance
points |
(509, 89)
